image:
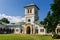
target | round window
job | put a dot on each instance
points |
(17, 30)
(29, 20)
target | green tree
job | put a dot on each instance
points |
(52, 20)
(47, 22)
(56, 9)
(5, 20)
(50, 23)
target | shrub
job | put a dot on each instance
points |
(56, 36)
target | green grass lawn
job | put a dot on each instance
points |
(24, 37)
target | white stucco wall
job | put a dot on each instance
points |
(40, 27)
(32, 16)
(16, 32)
(42, 32)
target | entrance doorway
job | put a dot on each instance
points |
(28, 30)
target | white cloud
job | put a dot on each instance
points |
(12, 19)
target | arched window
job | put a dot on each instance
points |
(28, 10)
(41, 30)
(21, 29)
(36, 30)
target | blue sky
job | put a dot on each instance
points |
(16, 7)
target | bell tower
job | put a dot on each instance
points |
(31, 13)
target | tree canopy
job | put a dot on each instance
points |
(52, 19)
(5, 20)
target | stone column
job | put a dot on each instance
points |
(24, 30)
(31, 30)
(56, 30)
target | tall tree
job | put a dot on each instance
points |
(56, 9)
(47, 22)
(52, 20)
(5, 20)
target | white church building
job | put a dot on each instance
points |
(30, 26)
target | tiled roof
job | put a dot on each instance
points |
(2, 24)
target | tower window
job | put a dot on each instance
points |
(29, 20)
(28, 10)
